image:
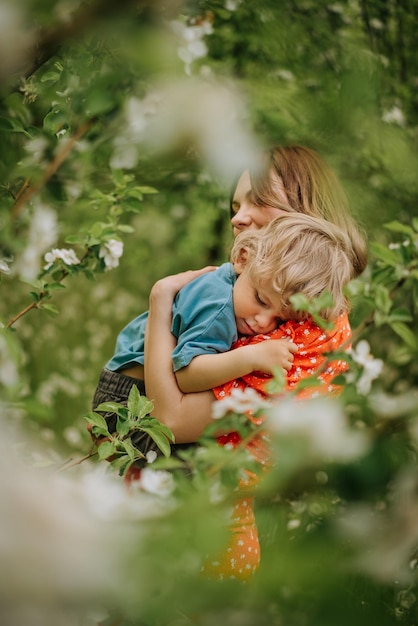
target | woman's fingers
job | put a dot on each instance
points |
(170, 285)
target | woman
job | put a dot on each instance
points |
(290, 179)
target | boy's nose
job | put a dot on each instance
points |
(265, 322)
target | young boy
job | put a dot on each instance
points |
(294, 253)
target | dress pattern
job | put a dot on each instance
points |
(241, 557)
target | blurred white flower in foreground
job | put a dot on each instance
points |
(240, 401)
(372, 367)
(322, 424)
(110, 252)
(191, 36)
(4, 266)
(10, 356)
(67, 255)
(157, 482)
(385, 541)
(66, 539)
(394, 116)
(43, 233)
(206, 115)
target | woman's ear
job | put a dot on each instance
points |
(241, 260)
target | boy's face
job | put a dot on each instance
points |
(256, 307)
(247, 214)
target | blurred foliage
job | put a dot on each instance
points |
(75, 85)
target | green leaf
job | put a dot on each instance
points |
(160, 439)
(122, 426)
(152, 422)
(321, 322)
(125, 228)
(130, 450)
(106, 450)
(311, 381)
(400, 315)
(77, 239)
(99, 101)
(50, 77)
(382, 299)
(406, 334)
(299, 302)
(113, 407)
(12, 125)
(278, 382)
(95, 419)
(134, 400)
(55, 121)
(132, 205)
(384, 254)
(56, 286)
(51, 309)
(398, 227)
(147, 190)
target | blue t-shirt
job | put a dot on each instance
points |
(203, 322)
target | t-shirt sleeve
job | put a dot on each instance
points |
(203, 322)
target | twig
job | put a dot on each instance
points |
(26, 192)
(72, 463)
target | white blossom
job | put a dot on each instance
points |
(239, 401)
(232, 5)
(157, 482)
(110, 252)
(56, 553)
(9, 371)
(394, 116)
(191, 46)
(208, 114)
(322, 423)
(67, 255)
(4, 267)
(151, 456)
(372, 367)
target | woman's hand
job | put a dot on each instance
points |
(166, 288)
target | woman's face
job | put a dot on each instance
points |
(248, 215)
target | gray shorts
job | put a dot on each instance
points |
(115, 387)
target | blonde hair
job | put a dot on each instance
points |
(311, 187)
(297, 253)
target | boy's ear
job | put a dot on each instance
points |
(241, 260)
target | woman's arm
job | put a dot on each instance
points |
(186, 415)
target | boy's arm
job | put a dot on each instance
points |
(210, 370)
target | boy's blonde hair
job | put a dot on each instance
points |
(297, 253)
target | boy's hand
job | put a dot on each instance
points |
(272, 353)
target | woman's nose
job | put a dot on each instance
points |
(242, 218)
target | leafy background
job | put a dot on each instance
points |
(100, 101)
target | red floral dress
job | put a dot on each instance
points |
(242, 555)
